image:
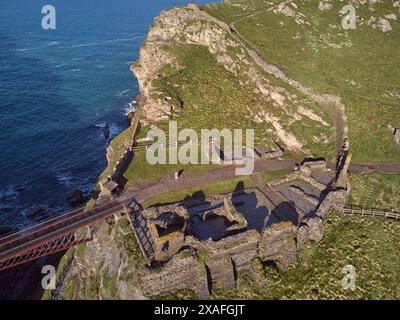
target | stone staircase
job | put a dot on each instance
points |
(374, 185)
(257, 178)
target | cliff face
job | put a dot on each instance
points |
(265, 101)
(177, 26)
(106, 268)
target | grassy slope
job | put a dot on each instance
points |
(371, 246)
(386, 195)
(215, 98)
(360, 69)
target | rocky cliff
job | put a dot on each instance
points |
(265, 101)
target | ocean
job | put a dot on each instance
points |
(58, 88)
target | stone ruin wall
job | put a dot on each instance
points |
(178, 274)
(224, 259)
(279, 244)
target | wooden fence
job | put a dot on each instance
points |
(372, 212)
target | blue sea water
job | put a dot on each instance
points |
(57, 88)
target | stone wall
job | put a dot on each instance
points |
(216, 263)
(220, 270)
(121, 165)
(278, 244)
(178, 274)
(397, 136)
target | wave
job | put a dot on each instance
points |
(25, 49)
(51, 43)
(66, 180)
(73, 182)
(60, 65)
(8, 193)
(100, 125)
(122, 93)
(82, 45)
(114, 130)
(131, 107)
(103, 42)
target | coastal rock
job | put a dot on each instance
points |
(325, 6)
(76, 198)
(129, 117)
(106, 131)
(19, 188)
(5, 230)
(36, 214)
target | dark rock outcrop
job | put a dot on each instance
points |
(36, 213)
(76, 198)
(106, 131)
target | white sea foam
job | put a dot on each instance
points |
(66, 180)
(131, 107)
(114, 130)
(8, 193)
(122, 93)
(74, 182)
(100, 125)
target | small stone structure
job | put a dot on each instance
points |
(112, 182)
(108, 187)
(264, 153)
(397, 135)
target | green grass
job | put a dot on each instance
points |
(117, 146)
(140, 170)
(370, 245)
(208, 189)
(211, 95)
(60, 268)
(180, 295)
(275, 175)
(385, 196)
(356, 64)
(216, 98)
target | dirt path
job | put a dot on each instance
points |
(393, 168)
(168, 183)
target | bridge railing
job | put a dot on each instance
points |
(59, 218)
(374, 212)
(55, 239)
